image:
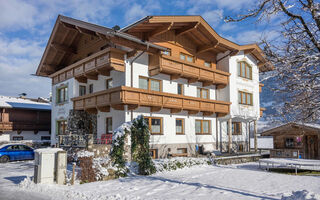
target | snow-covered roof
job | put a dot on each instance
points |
(16, 102)
(312, 126)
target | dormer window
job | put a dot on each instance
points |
(186, 57)
(207, 64)
(244, 70)
(167, 53)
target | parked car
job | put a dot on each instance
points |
(11, 152)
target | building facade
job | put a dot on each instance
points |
(24, 119)
(194, 88)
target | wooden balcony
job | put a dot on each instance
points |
(135, 97)
(6, 126)
(261, 111)
(193, 72)
(260, 87)
(90, 67)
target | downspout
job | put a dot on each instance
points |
(131, 72)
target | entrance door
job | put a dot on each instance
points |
(311, 147)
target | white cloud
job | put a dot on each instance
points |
(234, 4)
(137, 11)
(213, 17)
(254, 36)
(227, 26)
(15, 14)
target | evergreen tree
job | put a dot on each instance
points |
(140, 136)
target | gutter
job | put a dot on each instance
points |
(124, 29)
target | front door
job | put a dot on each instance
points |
(311, 147)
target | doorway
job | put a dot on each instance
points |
(311, 148)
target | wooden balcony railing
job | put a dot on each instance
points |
(193, 72)
(101, 62)
(6, 126)
(135, 97)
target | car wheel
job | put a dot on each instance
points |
(4, 159)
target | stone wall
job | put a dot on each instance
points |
(237, 159)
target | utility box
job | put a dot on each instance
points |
(61, 167)
(45, 165)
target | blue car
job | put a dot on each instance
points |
(12, 152)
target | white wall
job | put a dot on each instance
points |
(27, 135)
(61, 111)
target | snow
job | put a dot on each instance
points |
(15, 102)
(83, 153)
(48, 150)
(242, 181)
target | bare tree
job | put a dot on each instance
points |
(295, 55)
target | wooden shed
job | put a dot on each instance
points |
(294, 140)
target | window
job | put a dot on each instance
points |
(289, 142)
(180, 89)
(202, 127)
(149, 84)
(90, 88)
(245, 98)
(244, 70)
(109, 125)
(168, 53)
(203, 93)
(154, 153)
(82, 90)
(61, 127)
(109, 83)
(45, 138)
(182, 150)
(62, 94)
(236, 128)
(17, 138)
(207, 64)
(186, 57)
(155, 124)
(179, 126)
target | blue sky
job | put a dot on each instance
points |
(25, 27)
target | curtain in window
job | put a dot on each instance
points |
(143, 83)
(239, 69)
(155, 85)
(243, 69)
(179, 126)
(198, 92)
(204, 94)
(205, 126)
(155, 125)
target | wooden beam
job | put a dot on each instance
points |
(103, 108)
(86, 31)
(174, 76)
(155, 109)
(60, 47)
(247, 51)
(186, 29)
(221, 114)
(175, 110)
(91, 110)
(207, 83)
(207, 47)
(117, 106)
(133, 106)
(134, 45)
(205, 113)
(132, 53)
(161, 30)
(235, 52)
(81, 79)
(260, 64)
(92, 76)
(193, 112)
(103, 71)
(221, 86)
(192, 80)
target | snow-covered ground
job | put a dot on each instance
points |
(243, 181)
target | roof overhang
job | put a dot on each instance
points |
(286, 128)
(77, 27)
(196, 27)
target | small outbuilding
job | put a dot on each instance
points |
(294, 140)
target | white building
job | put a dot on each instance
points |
(176, 71)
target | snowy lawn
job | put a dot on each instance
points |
(243, 181)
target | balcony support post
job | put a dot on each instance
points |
(255, 135)
(230, 135)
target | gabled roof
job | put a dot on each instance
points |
(196, 27)
(287, 127)
(22, 103)
(63, 40)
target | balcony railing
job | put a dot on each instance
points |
(101, 62)
(135, 97)
(261, 111)
(193, 72)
